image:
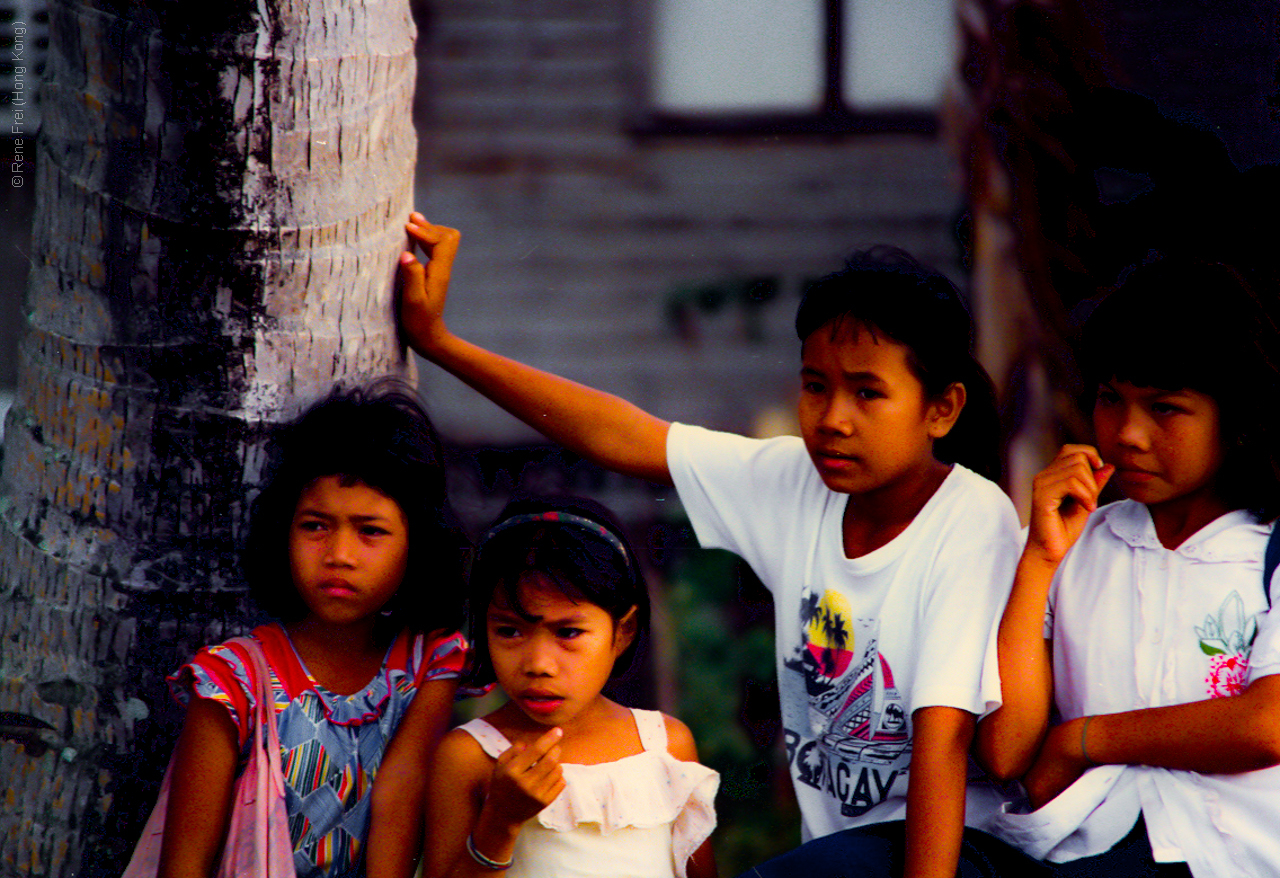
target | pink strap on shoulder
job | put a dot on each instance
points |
(257, 843)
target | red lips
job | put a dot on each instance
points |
(540, 702)
(337, 587)
(1132, 473)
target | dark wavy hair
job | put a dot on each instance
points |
(891, 293)
(583, 564)
(1178, 323)
(378, 436)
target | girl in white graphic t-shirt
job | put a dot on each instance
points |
(889, 557)
(1158, 655)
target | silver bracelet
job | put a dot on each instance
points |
(491, 865)
(1084, 737)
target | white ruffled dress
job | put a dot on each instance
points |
(641, 816)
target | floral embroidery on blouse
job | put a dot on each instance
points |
(1227, 639)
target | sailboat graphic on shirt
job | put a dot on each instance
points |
(855, 709)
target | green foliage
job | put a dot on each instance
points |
(722, 655)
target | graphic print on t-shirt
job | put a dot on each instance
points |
(857, 743)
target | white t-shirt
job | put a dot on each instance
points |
(1136, 625)
(861, 643)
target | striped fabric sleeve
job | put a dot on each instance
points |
(217, 673)
(439, 658)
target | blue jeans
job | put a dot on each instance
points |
(878, 851)
(1130, 858)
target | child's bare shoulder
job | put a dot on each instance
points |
(680, 743)
(463, 754)
(460, 772)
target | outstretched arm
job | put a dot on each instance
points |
(1063, 496)
(599, 426)
(1215, 736)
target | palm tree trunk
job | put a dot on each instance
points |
(221, 192)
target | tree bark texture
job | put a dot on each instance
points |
(222, 188)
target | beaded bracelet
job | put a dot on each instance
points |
(491, 865)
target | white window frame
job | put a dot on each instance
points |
(832, 103)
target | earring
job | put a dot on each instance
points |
(389, 608)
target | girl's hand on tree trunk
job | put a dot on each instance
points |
(424, 287)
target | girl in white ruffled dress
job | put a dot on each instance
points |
(562, 782)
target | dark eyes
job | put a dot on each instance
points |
(865, 393)
(507, 632)
(1106, 397)
(319, 525)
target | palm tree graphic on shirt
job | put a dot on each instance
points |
(837, 635)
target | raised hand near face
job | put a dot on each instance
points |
(526, 779)
(1062, 496)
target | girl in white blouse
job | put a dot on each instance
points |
(1138, 654)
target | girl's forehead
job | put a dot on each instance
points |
(855, 351)
(344, 480)
(538, 594)
(344, 491)
(1138, 388)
